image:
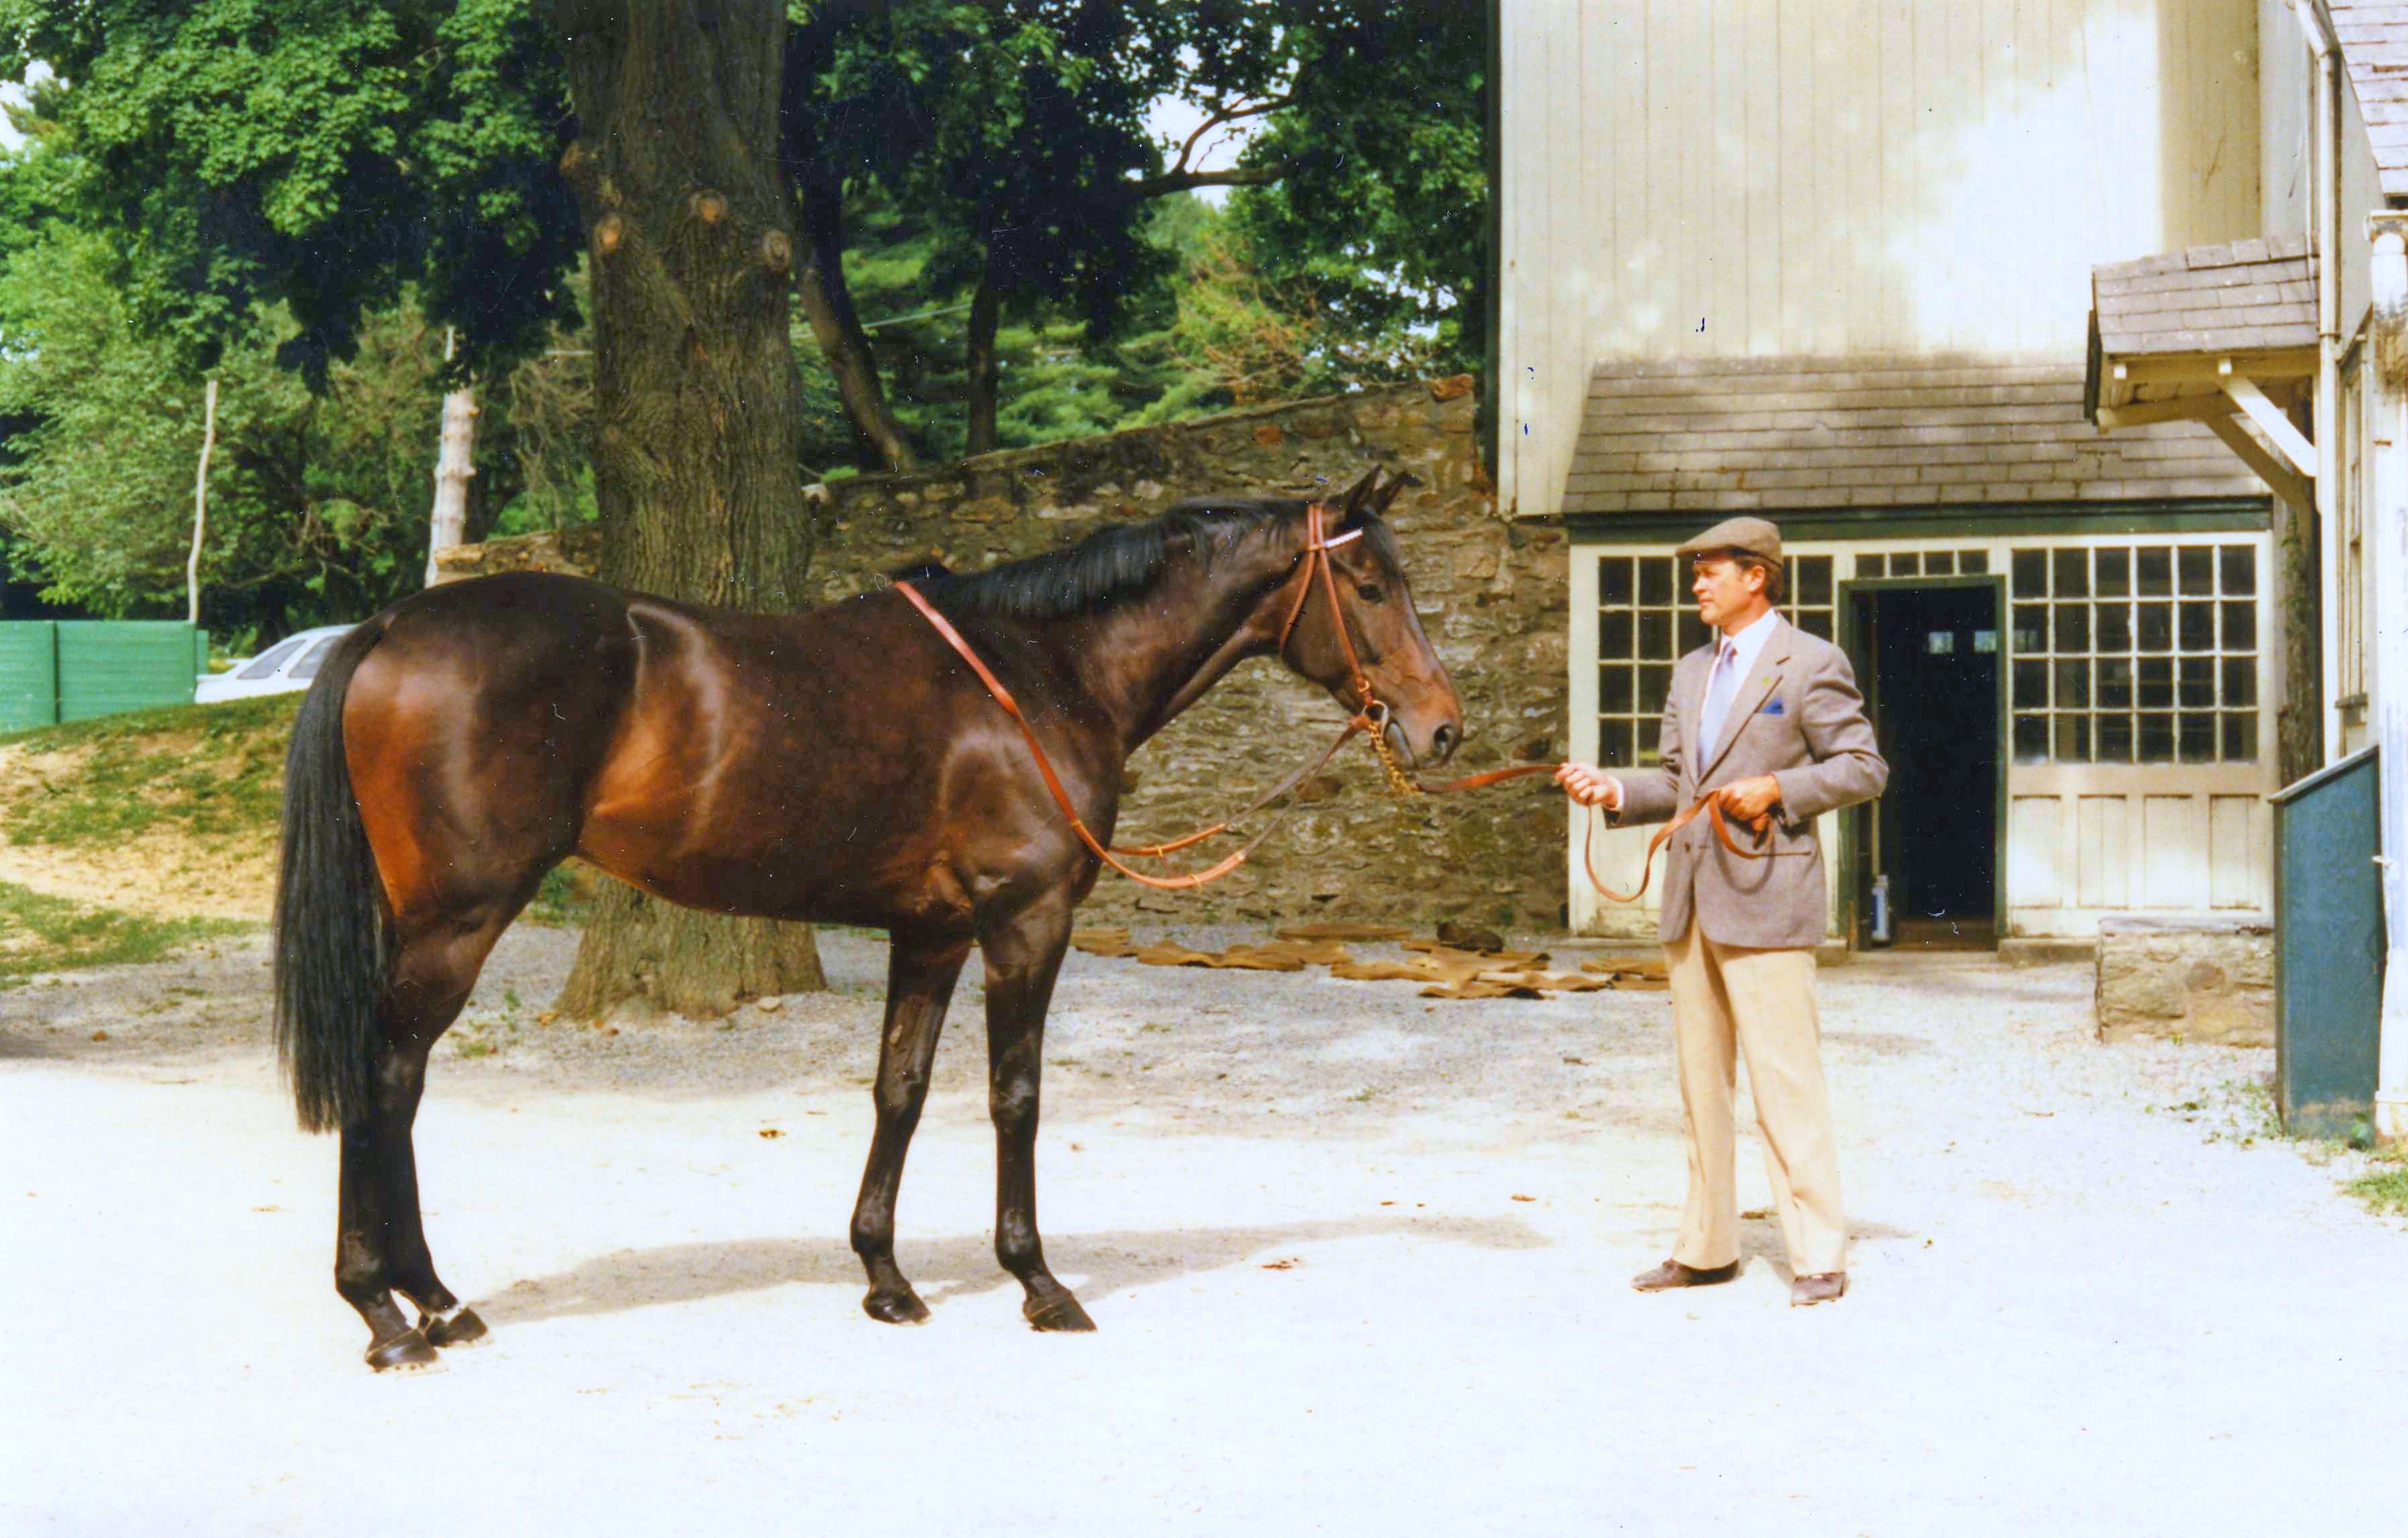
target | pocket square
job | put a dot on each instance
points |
(1772, 708)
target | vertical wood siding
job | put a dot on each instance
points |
(1730, 177)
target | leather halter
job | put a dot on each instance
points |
(1317, 546)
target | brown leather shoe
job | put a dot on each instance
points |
(1822, 1288)
(1673, 1273)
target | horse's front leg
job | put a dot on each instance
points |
(1023, 956)
(919, 976)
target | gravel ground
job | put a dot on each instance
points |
(1357, 1257)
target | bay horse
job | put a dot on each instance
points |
(842, 764)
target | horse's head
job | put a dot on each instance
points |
(1354, 611)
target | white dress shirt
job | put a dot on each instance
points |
(1738, 653)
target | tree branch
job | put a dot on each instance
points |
(1181, 181)
(1221, 117)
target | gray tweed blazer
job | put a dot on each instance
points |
(1797, 714)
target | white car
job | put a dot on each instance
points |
(286, 666)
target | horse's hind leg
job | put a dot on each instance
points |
(380, 1246)
(1023, 956)
(920, 978)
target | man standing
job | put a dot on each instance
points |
(1766, 721)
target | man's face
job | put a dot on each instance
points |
(1725, 589)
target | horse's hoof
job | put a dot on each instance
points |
(407, 1352)
(1060, 1315)
(903, 1307)
(461, 1327)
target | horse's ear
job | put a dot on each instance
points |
(1389, 490)
(1351, 505)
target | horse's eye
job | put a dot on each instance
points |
(1368, 592)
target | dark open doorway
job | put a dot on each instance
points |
(1927, 655)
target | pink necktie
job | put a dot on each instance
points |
(1719, 694)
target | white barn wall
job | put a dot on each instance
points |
(1734, 177)
(2286, 100)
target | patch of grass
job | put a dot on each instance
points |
(43, 933)
(2384, 1187)
(564, 899)
(269, 715)
(214, 772)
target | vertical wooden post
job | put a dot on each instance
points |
(455, 463)
(200, 505)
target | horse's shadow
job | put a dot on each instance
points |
(959, 1265)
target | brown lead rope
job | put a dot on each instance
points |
(1710, 804)
(1062, 797)
(1317, 546)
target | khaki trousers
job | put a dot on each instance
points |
(1764, 1002)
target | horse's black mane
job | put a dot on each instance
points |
(1113, 563)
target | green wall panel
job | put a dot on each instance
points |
(29, 673)
(66, 670)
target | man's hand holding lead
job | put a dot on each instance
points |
(1749, 799)
(1589, 785)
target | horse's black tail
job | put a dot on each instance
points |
(333, 952)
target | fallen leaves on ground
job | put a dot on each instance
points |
(1459, 956)
(1627, 966)
(1278, 956)
(1366, 933)
(1445, 971)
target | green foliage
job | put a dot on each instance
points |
(1378, 231)
(1056, 379)
(315, 509)
(318, 504)
(44, 934)
(323, 154)
(248, 186)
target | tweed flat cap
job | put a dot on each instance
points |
(1751, 534)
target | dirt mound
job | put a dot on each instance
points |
(164, 814)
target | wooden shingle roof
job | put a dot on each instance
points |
(2244, 296)
(2374, 46)
(1743, 434)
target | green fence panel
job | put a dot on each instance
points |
(2328, 946)
(29, 673)
(108, 665)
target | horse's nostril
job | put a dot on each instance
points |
(1442, 741)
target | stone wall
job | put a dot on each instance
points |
(1492, 597)
(2191, 979)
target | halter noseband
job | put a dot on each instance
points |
(1371, 713)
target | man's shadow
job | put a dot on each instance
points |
(1759, 1239)
(959, 1265)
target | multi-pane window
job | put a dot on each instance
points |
(2135, 654)
(1924, 563)
(1647, 620)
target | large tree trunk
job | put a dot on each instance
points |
(696, 400)
(979, 354)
